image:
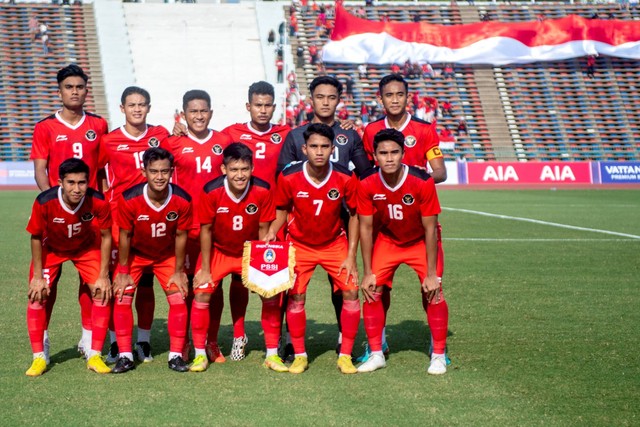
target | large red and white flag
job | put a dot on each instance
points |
(359, 41)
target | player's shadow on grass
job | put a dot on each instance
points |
(64, 355)
(409, 335)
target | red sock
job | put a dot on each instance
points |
(215, 314)
(145, 302)
(271, 323)
(36, 321)
(86, 305)
(238, 299)
(438, 318)
(350, 320)
(373, 316)
(100, 314)
(123, 322)
(199, 323)
(297, 321)
(177, 322)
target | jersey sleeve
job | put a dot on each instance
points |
(364, 202)
(268, 212)
(351, 193)
(36, 225)
(103, 214)
(432, 143)
(429, 203)
(287, 153)
(185, 219)
(206, 208)
(367, 143)
(125, 214)
(40, 142)
(283, 199)
(359, 156)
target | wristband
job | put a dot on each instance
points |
(122, 269)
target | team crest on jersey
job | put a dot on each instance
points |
(408, 199)
(251, 208)
(91, 135)
(410, 141)
(269, 256)
(87, 216)
(172, 216)
(333, 194)
(154, 142)
(217, 149)
(342, 139)
(276, 138)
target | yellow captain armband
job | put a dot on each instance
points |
(434, 153)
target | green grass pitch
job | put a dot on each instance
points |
(544, 330)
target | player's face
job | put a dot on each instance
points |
(135, 109)
(324, 101)
(158, 173)
(198, 115)
(261, 109)
(318, 150)
(394, 98)
(74, 187)
(73, 92)
(238, 174)
(389, 156)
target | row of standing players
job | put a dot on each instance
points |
(197, 159)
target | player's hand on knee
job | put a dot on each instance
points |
(102, 289)
(368, 286)
(431, 287)
(351, 267)
(181, 282)
(201, 278)
(120, 284)
(38, 290)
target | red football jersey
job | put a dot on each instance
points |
(122, 154)
(56, 141)
(66, 231)
(154, 228)
(315, 208)
(234, 221)
(266, 147)
(398, 211)
(421, 140)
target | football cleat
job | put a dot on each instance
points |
(112, 356)
(123, 364)
(214, 354)
(346, 365)
(178, 364)
(47, 345)
(299, 365)
(446, 352)
(38, 367)
(200, 364)
(274, 363)
(96, 364)
(438, 365)
(143, 352)
(237, 349)
(374, 362)
(367, 352)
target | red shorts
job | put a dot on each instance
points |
(330, 257)
(387, 257)
(87, 263)
(221, 266)
(163, 269)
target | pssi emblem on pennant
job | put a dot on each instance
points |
(267, 268)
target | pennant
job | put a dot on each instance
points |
(267, 268)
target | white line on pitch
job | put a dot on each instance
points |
(483, 239)
(537, 221)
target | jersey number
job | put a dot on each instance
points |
(261, 148)
(335, 155)
(395, 211)
(203, 165)
(237, 222)
(77, 150)
(137, 157)
(318, 204)
(159, 229)
(74, 229)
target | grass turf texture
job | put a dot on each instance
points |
(541, 333)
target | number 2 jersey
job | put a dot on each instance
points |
(235, 220)
(397, 212)
(154, 227)
(69, 231)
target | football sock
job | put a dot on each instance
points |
(199, 324)
(144, 335)
(303, 354)
(145, 301)
(373, 316)
(86, 333)
(216, 305)
(123, 321)
(36, 319)
(100, 314)
(297, 321)
(39, 354)
(173, 354)
(438, 318)
(92, 353)
(238, 299)
(272, 352)
(350, 318)
(200, 352)
(86, 305)
(128, 355)
(177, 323)
(270, 320)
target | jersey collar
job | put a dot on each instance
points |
(134, 138)
(404, 125)
(64, 205)
(70, 126)
(150, 203)
(230, 193)
(201, 141)
(257, 132)
(405, 173)
(310, 181)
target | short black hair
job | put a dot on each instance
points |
(388, 135)
(72, 165)
(237, 151)
(131, 90)
(261, 88)
(71, 70)
(325, 80)
(395, 77)
(156, 153)
(319, 129)
(195, 94)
